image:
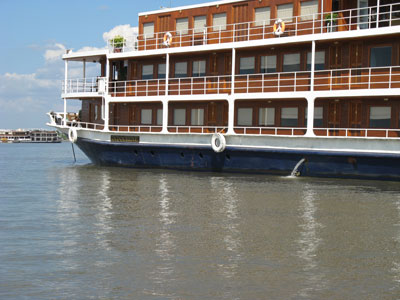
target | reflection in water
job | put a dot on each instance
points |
(229, 200)
(396, 264)
(309, 243)
(163, 273)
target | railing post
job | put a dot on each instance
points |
(263, 32)
(204, 85)
(218, 85)
(179, 86)
(369, 78)
(125, 88)
(295, 81)
(279, 82)
(390, 77)
(191, 86)
(390, 15)
(247, 83)
(295, 30)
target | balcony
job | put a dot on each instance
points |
(325, 80)
(85, 86)
(338, 21)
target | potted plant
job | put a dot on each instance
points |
(118, 43)
(331, 21)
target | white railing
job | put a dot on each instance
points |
(271, 130)
(324, 80)
(343, 20)
(197, 129)
(80, 85)
(85, 125)
(358, 132)
(135, 128)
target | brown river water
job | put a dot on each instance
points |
(79, 231)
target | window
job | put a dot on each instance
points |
(289, 116)
(146, 116)
(318, 116)
(219, 22)
(380, 116)
(159, 117)
(381, 56)
(197, 117)
(285, 12)
(199, 68)
(308, 10)
(247, 65)
(200, 22)
(179, 116)
(266, 116)
(319, 60)
(291, 62)
(180, 69)
(148, 30)
(182, 26)
(245, 117)
(268, 64)
(147, 72)
(262, 16)
(161, 71)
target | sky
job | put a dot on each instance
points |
(34, 35)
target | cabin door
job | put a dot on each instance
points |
(334, 114)
(240, 19)
(163, 27)
(355, 114)
(335, 62)
(355, 63)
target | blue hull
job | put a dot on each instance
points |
(278, 161)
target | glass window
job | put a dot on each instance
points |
(267, 116)
(200, 22)
(199, 68)
(268, 64)
(179, 116)
(245, 117)
(381, 56)
(197, 117)
(159, 116)
(289, 116)
(285, 12)
(180, 69)
(219, 22)
(146, 116)
(182, 26)
(147, 72)
(148, 30)
(247, 65)
(262, 16)
(291, 62)
(318, 116)
(161, 71)
(380, 116)
(308, 10)
(319, 60)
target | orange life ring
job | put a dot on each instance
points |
(279, 27)
(168, 39)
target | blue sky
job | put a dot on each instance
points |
(33, 36)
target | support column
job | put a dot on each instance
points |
(84, 69)
(311, 100)
(165, 101)
(231, 98)
(66, 76)
(65, 112)
(106, 113)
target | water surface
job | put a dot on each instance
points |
(78, 231)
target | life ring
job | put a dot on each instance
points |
(167, 39)
(279, 27)
(218, 142)
(72, 135)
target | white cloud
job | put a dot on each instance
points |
(55, 53)
(127, 31)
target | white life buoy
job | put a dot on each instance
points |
(73, 135)
(218, 142)
(167, 39)
(279, 27)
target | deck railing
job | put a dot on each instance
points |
(324, 80)
(343, 20)
(263, 131)
(80, 85)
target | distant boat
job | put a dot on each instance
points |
(29, 136)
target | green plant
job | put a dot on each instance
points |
(331, 17)
(118, 41)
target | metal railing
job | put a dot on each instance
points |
(135, 128)
(343, 20)
(271, 130)
(324, 80)
(197, 129)
(80, 85)
(358, 132)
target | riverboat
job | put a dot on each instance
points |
(304, 87)
(29, 136)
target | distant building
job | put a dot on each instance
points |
(29, 136)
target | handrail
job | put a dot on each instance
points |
(341, 20)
